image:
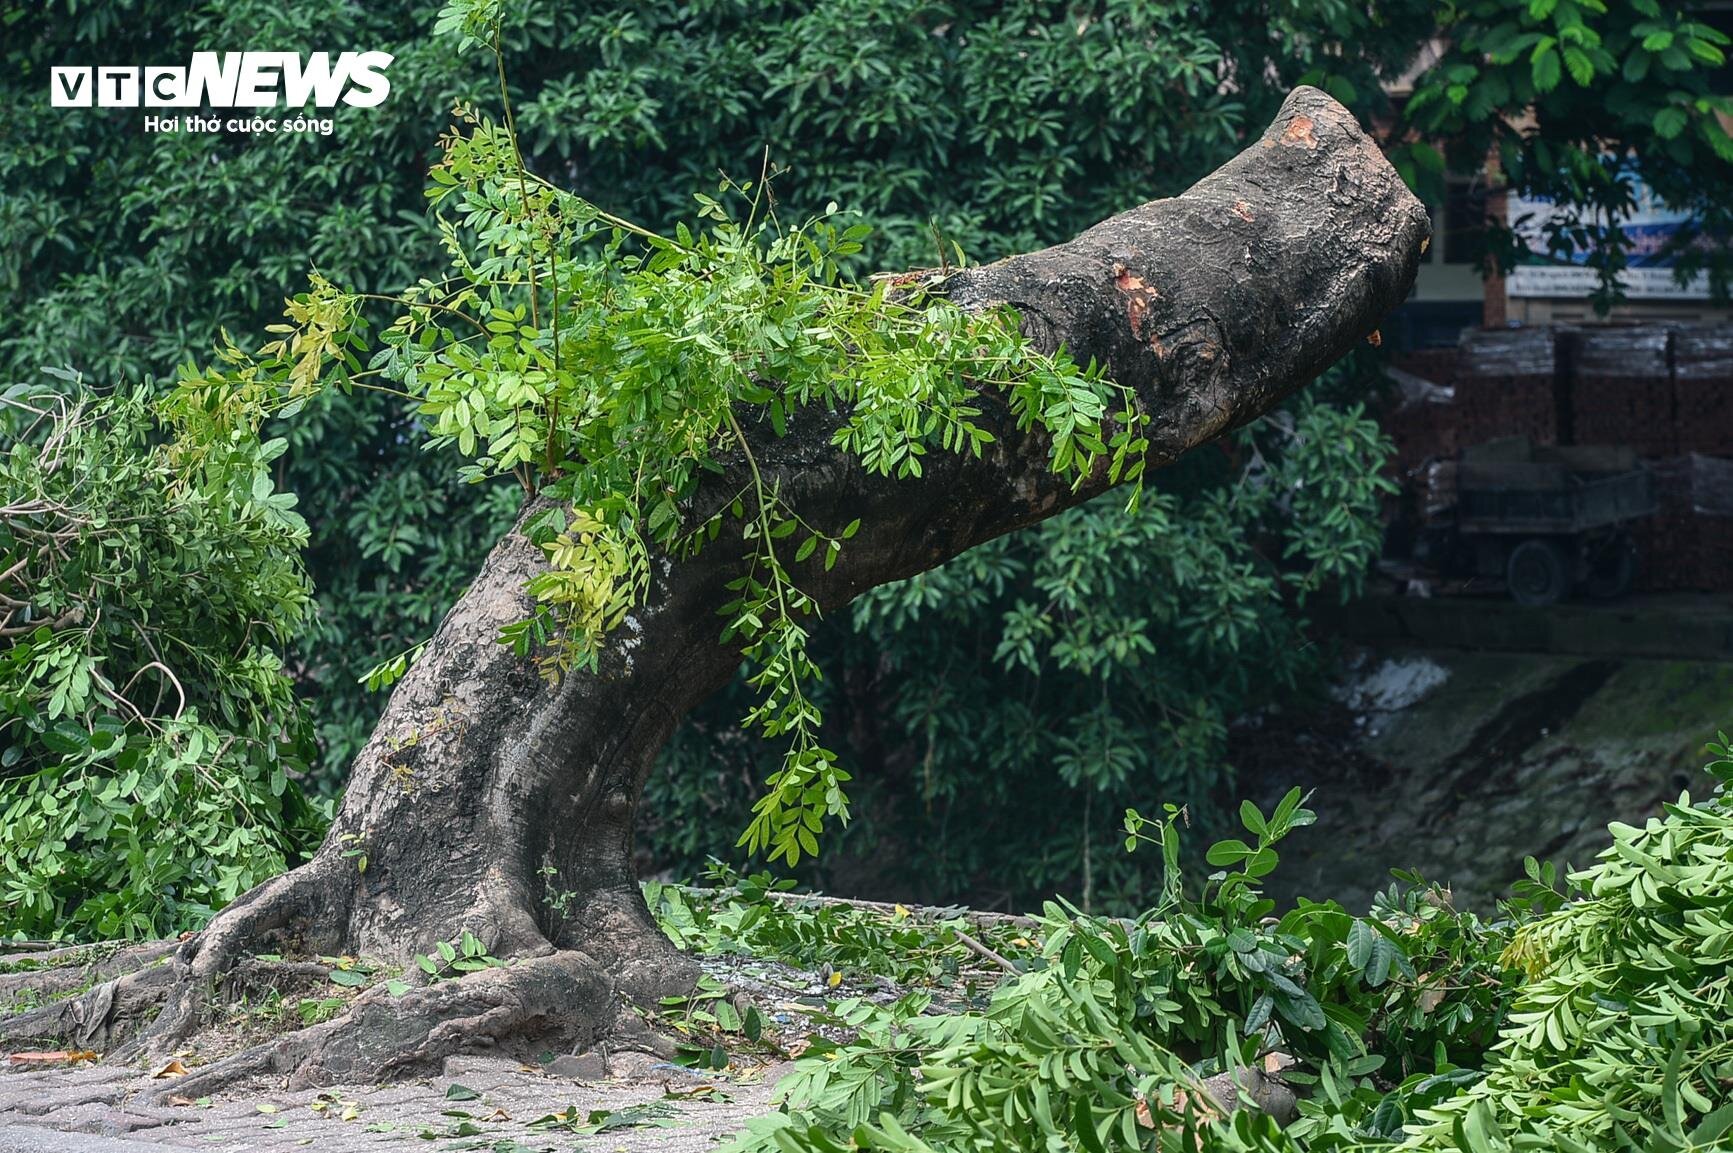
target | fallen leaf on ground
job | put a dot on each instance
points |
(52, 1057)
(173, 1069)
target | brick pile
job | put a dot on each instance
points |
(1667, 541)
(1619, 388)
(1504, 386)
(1703, 389)
(1688, 543)
(1665, 391)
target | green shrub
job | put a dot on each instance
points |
(148, 727)
(1621, 1034)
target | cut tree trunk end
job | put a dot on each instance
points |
(490, 802)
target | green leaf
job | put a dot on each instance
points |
(1546, 70)
(1228, 852)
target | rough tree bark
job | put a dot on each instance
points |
(484, 790)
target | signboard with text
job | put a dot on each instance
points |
(1649, 232)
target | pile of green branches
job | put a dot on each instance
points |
(149, 732)
(1596, 1014)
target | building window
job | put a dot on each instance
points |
(1464, 239)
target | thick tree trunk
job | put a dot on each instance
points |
(488, 799)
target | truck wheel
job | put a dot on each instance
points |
(1538, 573)
(1612, 568)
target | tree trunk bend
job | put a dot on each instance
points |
(490, 801)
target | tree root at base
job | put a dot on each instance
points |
(561, 996)
(160, 997)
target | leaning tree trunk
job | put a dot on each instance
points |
(484, 790)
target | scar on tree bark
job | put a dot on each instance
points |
(484, 789)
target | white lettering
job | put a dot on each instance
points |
(165, 87)
(230, 80)
(117, 87)
(261, 78)
(315, 80)
(209, 83)
(368, 74)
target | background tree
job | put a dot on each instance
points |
(1572, 98)
(988, 127)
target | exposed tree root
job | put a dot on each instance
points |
(562, 998)
(91, 1020)
(54, 974)
(157, 998)
(294, 906)
(102, 961)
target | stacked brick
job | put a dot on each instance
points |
(1422, 433)
(1688, 543)
(1703, 389)
(1667, 541)
(1712, 501)
(1434, 364)
(1665, 391)
(1619, 388)
(1504, 386)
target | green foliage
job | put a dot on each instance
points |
(1055, 676)
(1622, 1033)
(608, 369)
(734, 915)
(1103, 1039)
(452, 959)
(148, 728)
(1589, 1019)
(1569, 95)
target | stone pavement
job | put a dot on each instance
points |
(649, 1105)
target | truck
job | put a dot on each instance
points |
(1548, 520)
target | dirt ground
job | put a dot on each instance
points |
(1458, 764)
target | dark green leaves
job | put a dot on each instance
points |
(1373, 954)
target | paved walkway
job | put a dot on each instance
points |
(479, 1103)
